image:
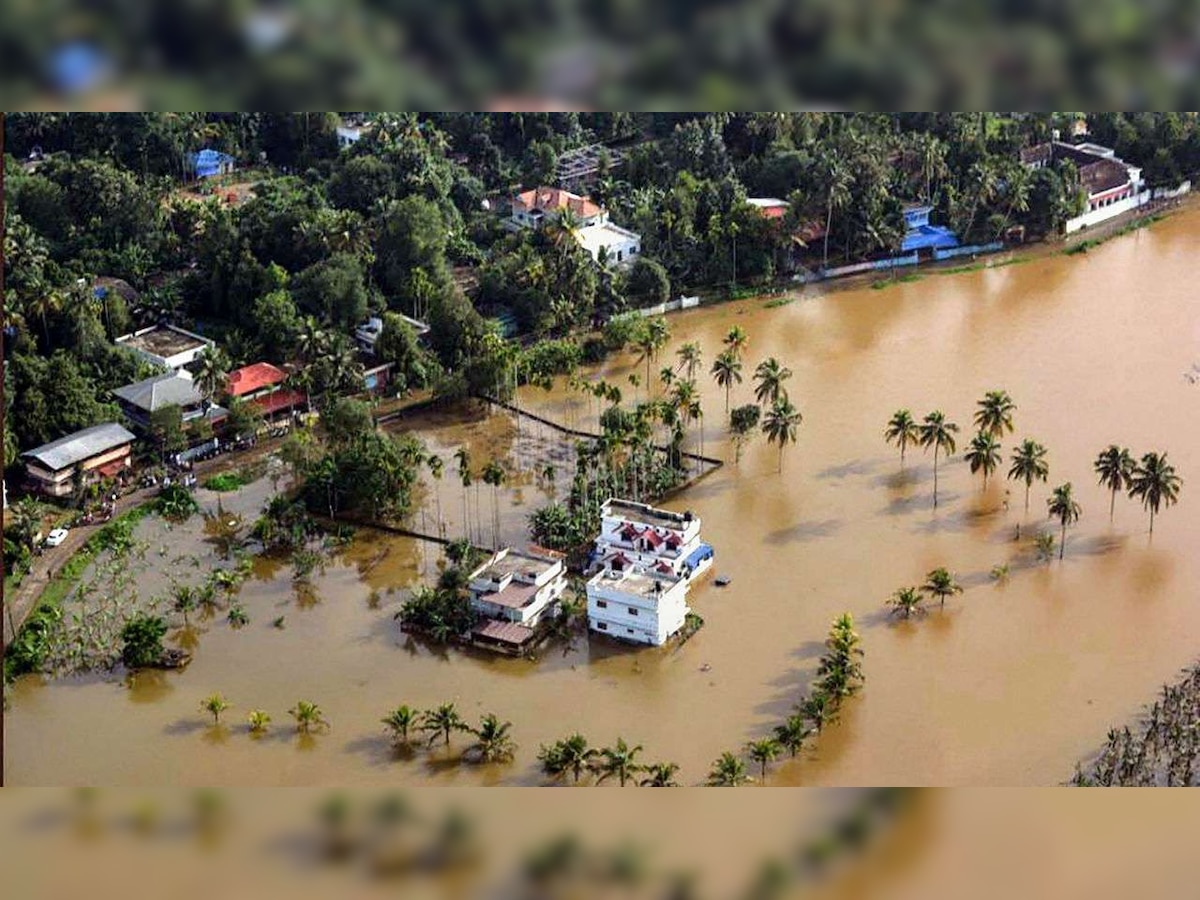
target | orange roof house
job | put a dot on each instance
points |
(249, 381)
(552, 201)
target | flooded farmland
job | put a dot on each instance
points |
(1010, 684)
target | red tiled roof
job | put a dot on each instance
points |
(665, 569)
(555, 199)
(249, 379)
(630, 531)
(652, 538)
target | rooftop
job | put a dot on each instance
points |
(504, 632)
(593, 237)
(171, 389)
(646, 515)
(1103, 175)
(549, 199)
(636, 581)
(771, 207)
(255, 377)
(515, 595)
(80, 446)
(163, 341)
(514, 562)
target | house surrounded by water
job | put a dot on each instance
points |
(635, 604)
(639, 535)
(513, 592)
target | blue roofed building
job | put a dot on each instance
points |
(208, 162)
(923, 236)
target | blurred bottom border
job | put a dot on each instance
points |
(550, 843)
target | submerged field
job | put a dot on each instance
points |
(1010, 684)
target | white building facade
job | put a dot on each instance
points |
(517, 587)
(636, 605)
(593, 229)
(659, 540)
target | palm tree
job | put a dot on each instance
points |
(258, 720)
(1029, 464)
(569, 755)
(493, 474)
(994, 414)
(442, 721)
(983, 455)
(399, 722)
(493, 743)
(780, 425)
(212, 372)
(312, 340)
(902, 430)
(735, 341)
(1114, 467)
(836, 182)
(727, 771)
(22, 520)
(792, 734)
(308, 717)
(906, 601)
(763, 752)
(214, 706)
(727, 370)
(818, 708)
(463, 457)
(937, 433)
(41, 304)
(689, 359)
(651, 338)
(619, 761)
(660, 775)
(1155, 481)
(770, 376)
(1063, 507)
(436, 468)
(941, 584)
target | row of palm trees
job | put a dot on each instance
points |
(492, 738)
(574, 756)
(939, 583)
(1152, 480)
(306, 714)
(839, 675)
(493, 474)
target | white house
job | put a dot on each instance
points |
(639, 535)
(517, 587)
(348, 136)
(367, 334)
(593, 229)
(165, 345)
(636, 605)
(1112, 185)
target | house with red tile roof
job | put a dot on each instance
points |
(595, 233)
(263, 385)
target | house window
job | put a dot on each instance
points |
(602, 604)
(629, 630)
(620, 256)
(632, 610)
(603, 626)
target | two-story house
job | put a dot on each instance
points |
(591, 227)
(637, 605)
(639, 535)
(513, 591)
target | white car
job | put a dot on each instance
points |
(56, 537)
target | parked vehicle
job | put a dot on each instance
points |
(56, 537)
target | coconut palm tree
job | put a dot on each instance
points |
(494, 475)
(764, 751)
(311, 341)
(214, 706)
(983, 454)
(995, 413)
(736, 340)
(836, 182)
(1063, 507)
(780, 425)
(1114, 467)
(212, 373)
(651, 338)
(769, 378)
(436, 468)
(727, 370)
(727, 771)
(463, 457)
(941, 584)
(937, 433)
(618, 761)
(493, 743)
(308, 717)
(902, 430)
(259, 720)
(399, 722)
(689, 359)
(44, 303)
(1029, 465)
(441, 722)
(1155, 482)
(906, 602)
(818, 708)
(571, 754)
(22, 520)
(660, 775)
(792, 734)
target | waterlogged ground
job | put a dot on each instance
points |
(1010, 684)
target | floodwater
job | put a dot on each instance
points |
(1010, 684)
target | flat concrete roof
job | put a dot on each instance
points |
(163, 341)
(645, 515)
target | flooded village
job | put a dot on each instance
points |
(607, 576)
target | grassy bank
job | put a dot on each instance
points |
(1088, 244)
(25, 652)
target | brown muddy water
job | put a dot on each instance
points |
(1010, 684)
